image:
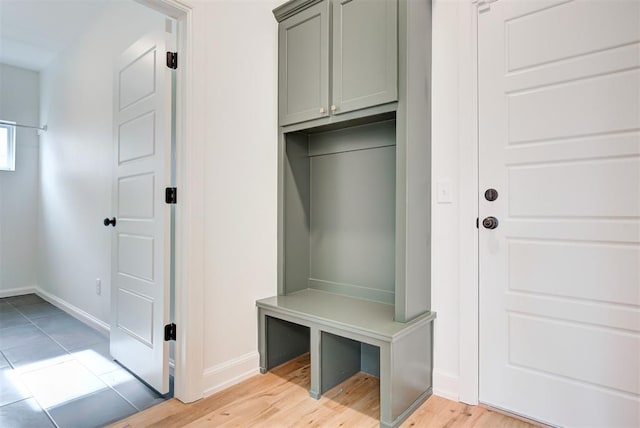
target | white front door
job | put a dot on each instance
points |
(141, 239)
(559, 121)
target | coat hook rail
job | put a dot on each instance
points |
(4, 122)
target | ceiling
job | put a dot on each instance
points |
(32, 32)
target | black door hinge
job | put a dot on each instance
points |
(169, 332)
(171, 195)
(172, 60)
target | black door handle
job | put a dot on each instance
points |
(111, 222)
(490, 223)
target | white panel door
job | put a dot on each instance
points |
(141, 239)
(559, 121)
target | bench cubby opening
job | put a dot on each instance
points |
(343, 357)
(285, 341)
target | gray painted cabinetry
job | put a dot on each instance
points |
(354, 179)
(303, 46)
(336, 57)
(365, 54)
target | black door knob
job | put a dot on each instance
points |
(490, 223)
(111, 222)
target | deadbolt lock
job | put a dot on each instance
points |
(491, 195)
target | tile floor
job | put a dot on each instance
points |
(56, 371)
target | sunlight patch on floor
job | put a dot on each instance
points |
(60, 383)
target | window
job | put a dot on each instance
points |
(7, 147)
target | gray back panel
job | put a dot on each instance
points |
(352, 239)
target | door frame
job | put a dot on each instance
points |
(469, 380)
(189, 221)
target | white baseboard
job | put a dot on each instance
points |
(229, 373)
(17, 291)
(446, 385)
(74, 311)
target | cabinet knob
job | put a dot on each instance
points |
(333, 107)
(322, 110)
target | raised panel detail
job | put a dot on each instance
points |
(567, 350)
(304, 65)
(598, 188)
(136, 197)
(600, 272)
(135, 316)
(138, 79)
(570, 30)
(135, 256)
(558, 128)
(365, 46)
(610, 103)
(136, 138)
(365, 60)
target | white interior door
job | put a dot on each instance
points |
(141, 239)
(559, 121)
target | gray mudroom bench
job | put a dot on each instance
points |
(345, 335)
(354, 198)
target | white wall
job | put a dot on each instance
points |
(19, 101)
(240, 206)
(445, 280)
(76, 159)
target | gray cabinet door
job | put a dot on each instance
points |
(304, 65)
(365, 54)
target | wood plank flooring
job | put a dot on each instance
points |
(280, 398)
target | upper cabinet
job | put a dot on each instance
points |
(361, 39)
(365, 54)
(303, 78)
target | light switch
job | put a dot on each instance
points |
(443, 191)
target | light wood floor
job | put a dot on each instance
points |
(280, 398)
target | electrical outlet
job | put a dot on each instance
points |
(98, 286)
(443, 190)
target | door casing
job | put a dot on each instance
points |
(469, 381)
(189, 265)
